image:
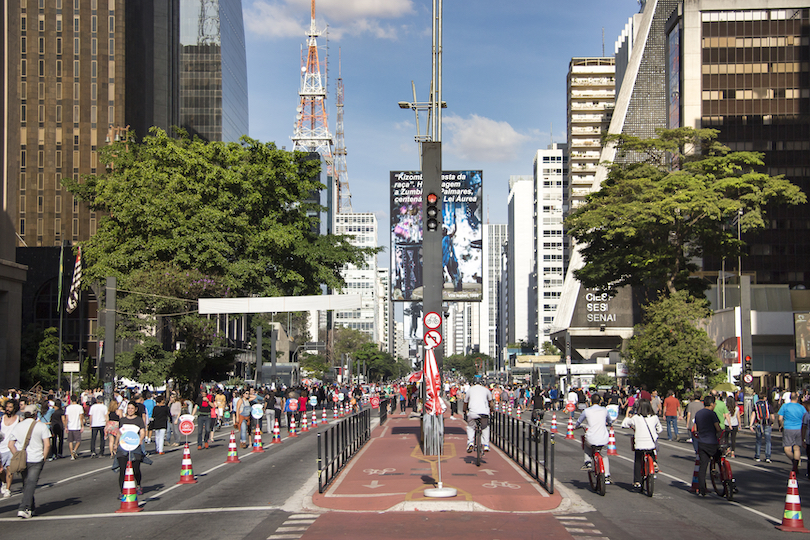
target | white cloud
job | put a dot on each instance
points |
(481, 139)
(291, 18)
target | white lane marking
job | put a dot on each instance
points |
(772, 519)
(147, 514)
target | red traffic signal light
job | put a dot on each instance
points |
(432, 212)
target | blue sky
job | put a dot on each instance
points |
(504, 73)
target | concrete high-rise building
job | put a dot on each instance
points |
(462, 328)
(743, 69)
(213, 80)
(591, 97)
(495, 236)
(520, 254)
(361, 229)
(550, 173)
(384, 310)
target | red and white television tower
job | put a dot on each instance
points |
(340, 169)
(311, 122)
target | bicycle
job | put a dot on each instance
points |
(648, 473)
(596, 474)
(721, 475)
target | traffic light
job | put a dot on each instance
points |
(432, 212)
(747, 367)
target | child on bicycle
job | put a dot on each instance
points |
(596, 418)
(646, 427)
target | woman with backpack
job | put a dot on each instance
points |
(243, 409)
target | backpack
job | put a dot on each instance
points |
(246, 408)
(761, 407)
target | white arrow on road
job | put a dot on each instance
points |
(374, 484)
(488, 471)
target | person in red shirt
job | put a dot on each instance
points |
(672, 410)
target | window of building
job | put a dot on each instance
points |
(22, 113)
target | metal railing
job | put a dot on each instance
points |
(530, 447)
(339, 442)
(384, 404)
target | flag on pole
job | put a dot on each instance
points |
(433, 403)
(73, 296)
(61, 277)
(415, 377)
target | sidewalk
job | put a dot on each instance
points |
(390, 473)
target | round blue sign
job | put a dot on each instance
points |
(313, 400)
(130, 437)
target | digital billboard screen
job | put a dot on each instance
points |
(801, 334)
(462, 266)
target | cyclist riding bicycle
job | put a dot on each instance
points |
(538, 405)
(707, 430)
(596, 419)
(477, 404)
(646, 427)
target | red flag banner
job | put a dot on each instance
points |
(415, 377)
(433, 403)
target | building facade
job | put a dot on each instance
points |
(213, 80)
(550, 253)
(361, 229)
(495, 235)
(520, 253)
(591, 88)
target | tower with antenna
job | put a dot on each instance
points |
(340, 170)
(311, 123)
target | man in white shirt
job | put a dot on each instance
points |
(477, 404)
(75, 425)
(7, 424)
(595, 418)
(98, 419)
(39, 445)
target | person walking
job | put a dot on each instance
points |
(691, 410)
(733, 425)
(672, 410)
(646, 427)
(790, 416)
(707, 433)
(175, 410)
(243, 410)
(762, 425)
(595, 418)
(35, 438)
(160, 421)
(111, 431)
(75, 426)
(98, 421)
(202, 409)
(57, 430)
(7, 424)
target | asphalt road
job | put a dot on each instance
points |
(266, 497)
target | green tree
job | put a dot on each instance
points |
(314, 365)
(603, 379)
(183, 219)
(650, 220)
(549, 349)
(46, 366)
(380, 365)
(348, 341)
(669, 351)
(146, 363)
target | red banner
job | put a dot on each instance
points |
(433, 403)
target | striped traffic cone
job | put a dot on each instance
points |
(323, 417)
(497, 407)
(509, 410)
(554, 423)
(341, 411)
(696, 478)
(258, 446)
(276, 433)
(314, 419)
(304, 424)
(792, 520)
(570, 433)
(612, 451)
(335, 412)
(291, 428)
(233, 456)
(186, 472)
(129, 498)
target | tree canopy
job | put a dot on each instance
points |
(183, 219)
(669, 351)
(653, 218)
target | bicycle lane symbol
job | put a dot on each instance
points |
(379, 472)
(497, 483)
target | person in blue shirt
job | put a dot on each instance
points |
(790, 415)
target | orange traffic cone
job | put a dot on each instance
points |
(291, 427)
(792, 520)
(276, 433)
(304, 425)
(612, 451)
(323, 416)
(186, 472)
(554, 423)
(129, 497)
(258, 447)
(570, 433)
(696, 478)
(233, 456)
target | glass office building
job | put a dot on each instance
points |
(213, 70)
